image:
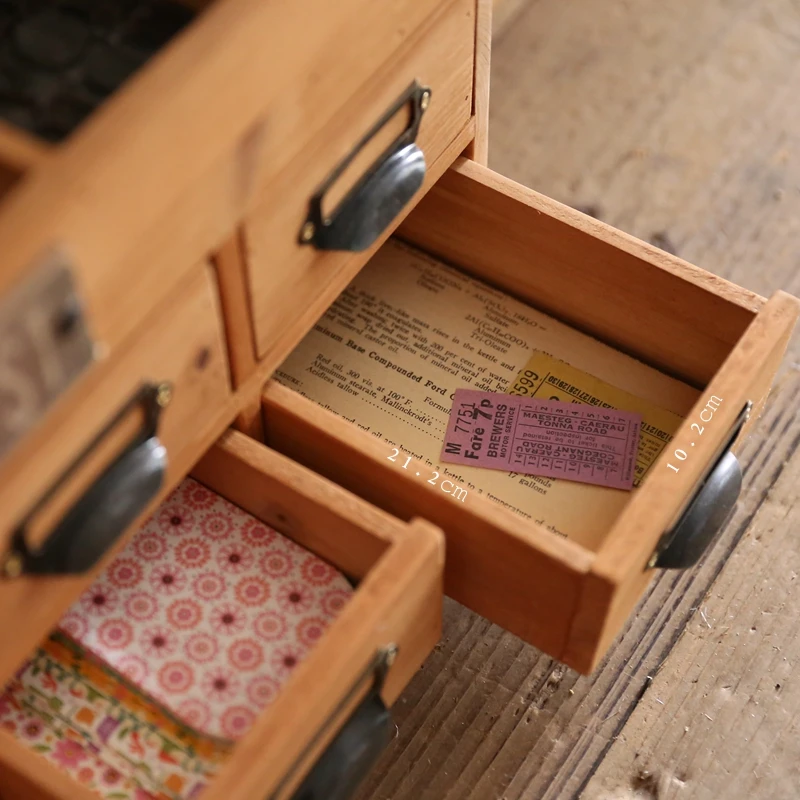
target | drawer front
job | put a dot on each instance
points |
(334, 703)
(286, 274)
(568, 596)
(163, 170)
(87, 463)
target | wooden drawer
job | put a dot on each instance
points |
(132, 195)
(568, 596)
(390, 622)
(291, 281)
(180, 349)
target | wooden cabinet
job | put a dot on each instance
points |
(163, 255)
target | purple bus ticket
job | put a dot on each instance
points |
(549, 438)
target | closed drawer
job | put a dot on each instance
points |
(313, 228)
(639, 319)
(134, 148)
(98, 463)
(335, 697)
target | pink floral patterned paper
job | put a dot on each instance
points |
(208, 610)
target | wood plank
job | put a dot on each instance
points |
(478, 149)
(397, 601)
(234, 295)
(721, 716)
(286, 275)
(496, 564)
(200, 410)
(492, 717)
(315, 513)
(336, 280)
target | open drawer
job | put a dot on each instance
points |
(618, 309)
(323, 725)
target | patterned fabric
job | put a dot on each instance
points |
(46, 734)
(208, 611)
(72, 693)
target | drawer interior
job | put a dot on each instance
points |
(352, 402)
(254, 601)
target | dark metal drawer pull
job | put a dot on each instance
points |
(355, 748)
(380, 194)
(107, 507)
(708, 510)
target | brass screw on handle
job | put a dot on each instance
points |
(425, 100)
(390, 654)
(308, 231)
(12, 565)
(164, 394)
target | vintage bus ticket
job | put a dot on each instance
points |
(543, 437)
(548, 378)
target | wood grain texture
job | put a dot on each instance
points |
(201, 408)
(721, 717)
(674, 122)
(562, 261)
(478, 149)
(164, 171)
(619, 573)
(503, 567)
(234, 296)
(317, 297)
(397, 601)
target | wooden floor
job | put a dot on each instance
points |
(679, 122)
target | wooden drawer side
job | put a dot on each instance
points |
(619, 574)
(623, 291)
(397, 601)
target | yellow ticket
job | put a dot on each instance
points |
(548, 378)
